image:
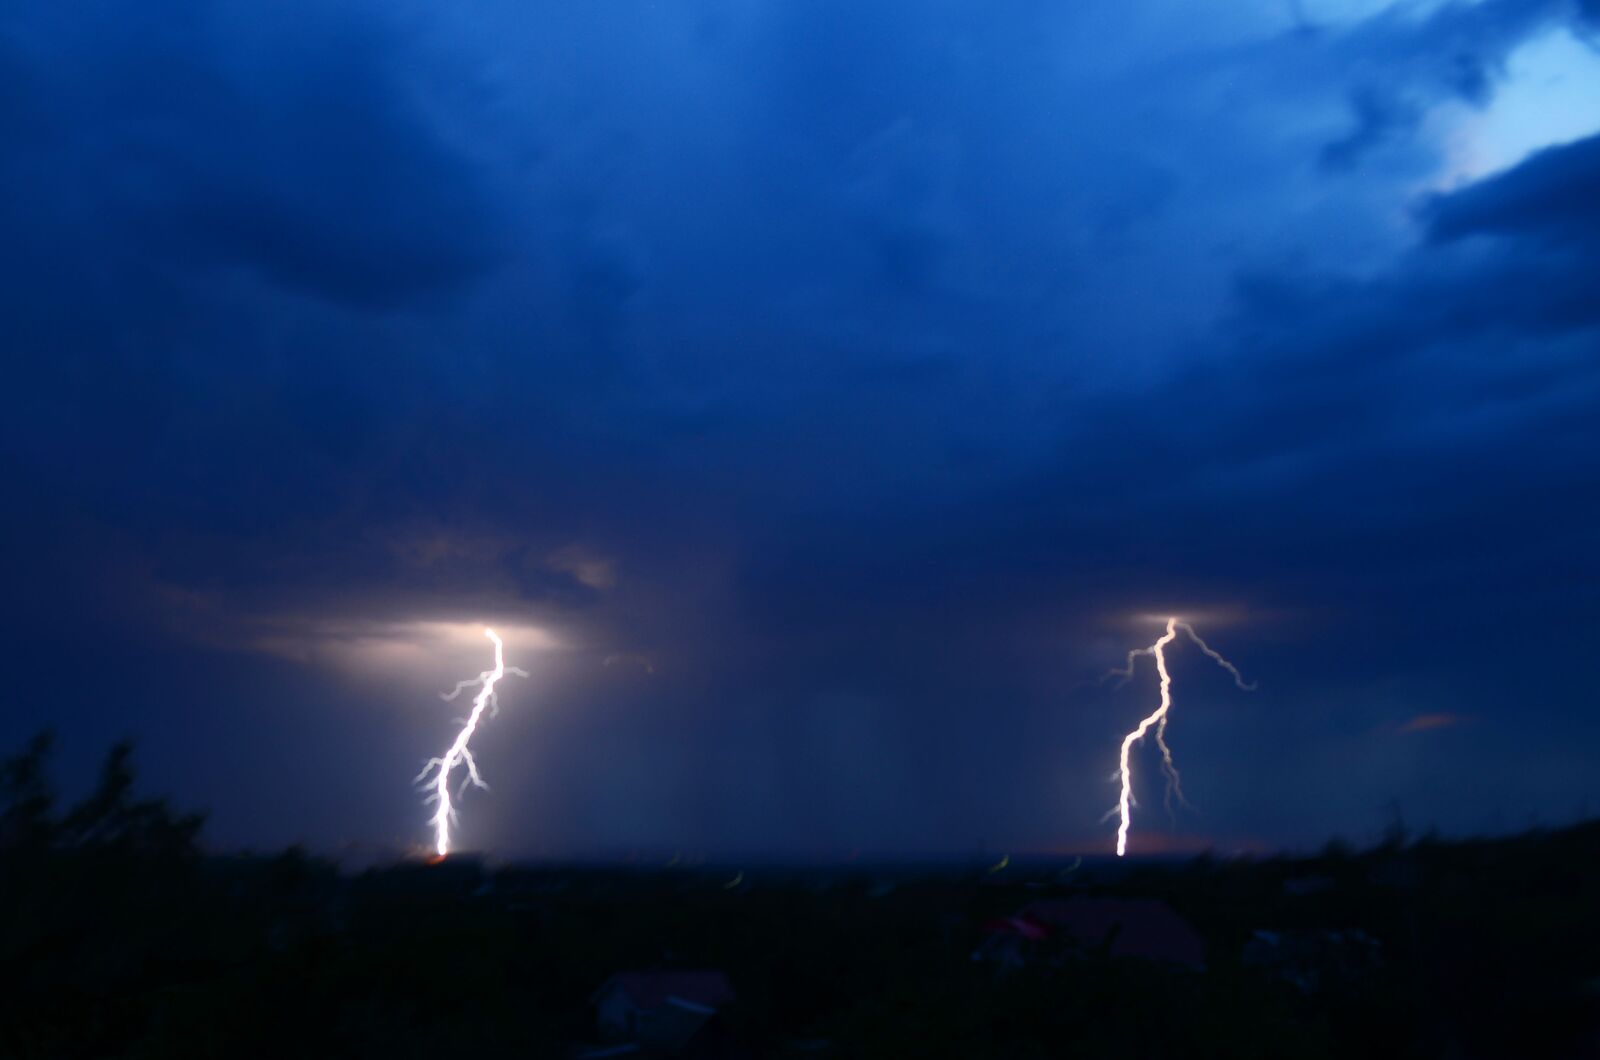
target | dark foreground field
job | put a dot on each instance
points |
(120, 938)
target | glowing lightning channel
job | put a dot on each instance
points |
(1158, 719)
(436, 774)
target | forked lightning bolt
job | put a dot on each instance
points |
(1158, 719)
(436, 774)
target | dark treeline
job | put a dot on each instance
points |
(123, 938)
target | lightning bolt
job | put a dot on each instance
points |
(435, 776)
(1158, 720)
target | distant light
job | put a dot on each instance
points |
(1549, 95)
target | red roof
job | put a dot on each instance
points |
(650, 990)
(1018, 926)
(1144, 927)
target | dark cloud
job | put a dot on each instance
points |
(301, 144)
(1379, 117)
(1548, 198)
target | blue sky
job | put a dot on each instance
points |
(817, 395)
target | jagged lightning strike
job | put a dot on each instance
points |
(436, 774)
(1158, 719)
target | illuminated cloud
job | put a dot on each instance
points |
(374, 646)
(1546, 99)
(597, 572)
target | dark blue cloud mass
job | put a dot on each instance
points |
(817, 395)
(204, 136)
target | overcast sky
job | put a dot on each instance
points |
(818, 396)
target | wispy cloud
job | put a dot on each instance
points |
(1428, 722)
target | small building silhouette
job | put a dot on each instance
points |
(1140, 928)
(1314, 960)
(666, 1012)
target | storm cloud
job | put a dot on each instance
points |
(823, 391)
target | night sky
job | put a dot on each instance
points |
(818, 397)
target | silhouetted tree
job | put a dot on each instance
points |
(26, 799)
(109, 817)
